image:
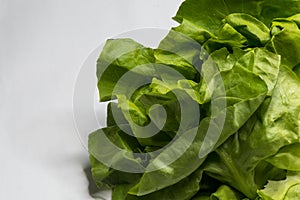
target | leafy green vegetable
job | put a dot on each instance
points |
(213, 113)
(285, 42)
(287, 157)
(225, 192)
(287, 189)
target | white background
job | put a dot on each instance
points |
(43, 44)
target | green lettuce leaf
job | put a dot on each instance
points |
(208, 14)
(211, 113)
(240, 95)
(285, 41)
(287, 189)
(275, 125)
(118, 57)
(288, 157)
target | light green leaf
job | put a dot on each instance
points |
(282, 190)
(287, 157)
